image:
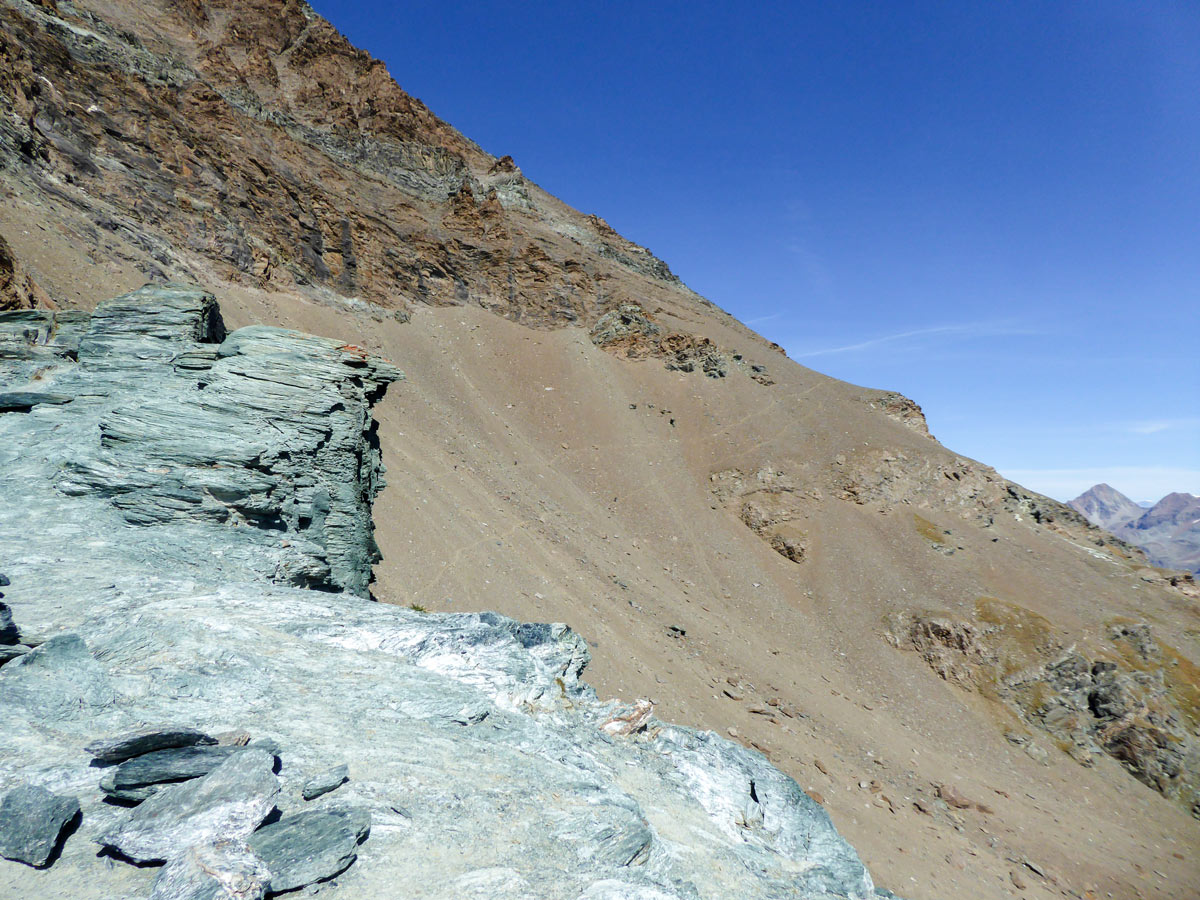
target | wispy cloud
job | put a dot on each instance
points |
(1136, 482)
(1154, 426)
(959, 330)
(760, 319)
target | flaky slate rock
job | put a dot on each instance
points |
(23, 401)
(327, 781)
(60, 679)
(141, 777)
(145, 740)
(32, 820)
(221, 870)
(9, 634)
(9, 652)
(311, 846)
(229, 802)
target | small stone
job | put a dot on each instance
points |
(820, 767)
(235, 738)
(229, 802)
(325, 782)
(1017, 880)
(222, 870)
(145, 740)
(32, 820)
(953, 797)
(311, 846)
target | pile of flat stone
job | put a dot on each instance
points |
(203, 807)
(10, 638)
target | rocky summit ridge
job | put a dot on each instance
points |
(212, 583)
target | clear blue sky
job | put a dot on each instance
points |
(991, 207)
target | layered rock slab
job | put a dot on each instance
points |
(479, 755)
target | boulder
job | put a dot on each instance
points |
(221, 870)
(311, 846)
(32, 820)
(229, 802)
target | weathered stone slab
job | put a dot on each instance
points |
(311, 846)
(142, 777)
(23, 401)
(145, 740)
(32, 820)
(9, 652)
(222, 870)
(229, 802)
(57, 681)
(327, 781)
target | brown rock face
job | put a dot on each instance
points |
(253, 136)
(760, 550)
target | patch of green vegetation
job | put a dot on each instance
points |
(417, 607)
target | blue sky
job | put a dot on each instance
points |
(993, 208)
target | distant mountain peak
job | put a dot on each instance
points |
(1106, 507)
(1169, 530)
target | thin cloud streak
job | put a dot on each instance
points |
(974, 329)
(760, 319)
(1159, 425)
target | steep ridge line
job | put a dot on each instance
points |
(477, 760)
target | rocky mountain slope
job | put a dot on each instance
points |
(1168, 532)
(990, 696)
(455, 740)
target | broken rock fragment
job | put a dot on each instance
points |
(311, 846)
(146, 740)
(325, 782)
(221, 870)
(32, 820)
(229, 802)
(143, 776)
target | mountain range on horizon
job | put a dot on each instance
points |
(1168, 531)
(989, 695)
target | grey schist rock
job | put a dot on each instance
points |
(145, 740)
(60, 678)
(311, 846)
(10, 636)
(329, 780)
(222, 870)
(32, 820)
(203, 509)
(141, 777)
(230, 802)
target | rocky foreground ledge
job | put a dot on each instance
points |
(196, 700)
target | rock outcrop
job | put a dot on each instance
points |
(1120, 692)
(174, 584)
(259, 441)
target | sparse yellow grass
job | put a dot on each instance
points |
(928, 530)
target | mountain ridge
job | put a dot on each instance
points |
(1168, 531)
